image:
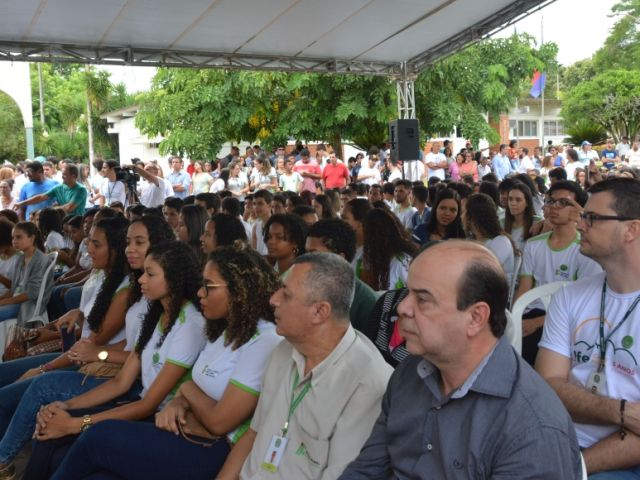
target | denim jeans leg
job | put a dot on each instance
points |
(42, 391)
(7, 312)
(13, 370)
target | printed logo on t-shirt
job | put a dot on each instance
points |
(156, 358)
(209, 372)
(563, 272)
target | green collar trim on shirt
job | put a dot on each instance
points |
(575, 241)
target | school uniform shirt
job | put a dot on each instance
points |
(132, 322)
(181, 347)
(218, 366)
(547, 265)
(405, 215)
(399, 271)
(113, 192)
(88, 299)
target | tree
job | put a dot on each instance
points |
(13, 145)
(621, 49)
(485, 78)
(611, 100)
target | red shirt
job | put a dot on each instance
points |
(335, 176)
(308, 183)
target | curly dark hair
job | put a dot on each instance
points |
(384, 238)
(159, 231)
(251, 281)
(115, 230)
(327, 206)
(49, 221)
(294, 228)
(183, 275)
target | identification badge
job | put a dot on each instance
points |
(597, 382)
(274, 453)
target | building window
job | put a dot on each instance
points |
(523, 128)
(553, 128)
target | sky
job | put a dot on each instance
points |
(579, 27)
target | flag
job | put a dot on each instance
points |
(537, 84)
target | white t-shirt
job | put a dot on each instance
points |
(113, 192)
(217, 186)
(526, 164)
(404, 214)
(547, 265)
(570, 168)
(54, 240)
(133, 320)
(236, 184)
(181, 347)
(7, 267)
(290, 183)
(88, 299)
(152, 195)
(413, 170)
(84, 260)
(502, 248)
(571, 329)
(259, 179)
(435, 158)
(168, 188)
(218, 365)
(633, 157)
(365, 170)
(399, 271)
(261, 247)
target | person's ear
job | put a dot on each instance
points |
(479, 314)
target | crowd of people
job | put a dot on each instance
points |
(294, 316)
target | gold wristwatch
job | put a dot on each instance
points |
(86, 423)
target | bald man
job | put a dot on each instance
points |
(464, 404)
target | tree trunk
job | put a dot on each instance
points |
(336, 141)
(90, 127)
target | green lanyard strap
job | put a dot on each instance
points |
(604, 341)
(295, 400)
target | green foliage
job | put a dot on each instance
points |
(622, 47)
(487, 77)
(585, 129)
(66, 88)
(13, 145)
(610, 100)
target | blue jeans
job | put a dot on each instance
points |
(120, 449)
(60, 303)
(43, 390)
(11, 391)
(631, 474)
(7, 312)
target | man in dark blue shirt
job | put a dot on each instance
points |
(464, 404)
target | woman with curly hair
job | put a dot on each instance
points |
(386, 252)
(168, 344)
(185, 441)
(285, 236)
(191, 221)
(222, 230)
(62, 385)
(445, 221)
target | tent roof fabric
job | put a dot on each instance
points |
(380, 37)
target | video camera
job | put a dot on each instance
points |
(128, 176)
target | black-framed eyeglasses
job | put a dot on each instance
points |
(209, 286)
(590, 217)
(560, 203)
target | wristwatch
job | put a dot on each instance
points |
(103, 355)
(86, 423)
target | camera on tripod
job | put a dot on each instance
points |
(128, 176)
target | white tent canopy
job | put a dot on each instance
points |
(379, 37)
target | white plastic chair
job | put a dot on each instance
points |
(517, 263)
(37, 320)
(585, 475)
(514, 317)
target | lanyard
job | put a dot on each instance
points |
(295, 401)
(604, 341)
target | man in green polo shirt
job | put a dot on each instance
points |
(69, 195)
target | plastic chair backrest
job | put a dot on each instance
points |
(517, 263)
(44, 318)
(514, 317)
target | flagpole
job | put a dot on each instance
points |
(542, 101)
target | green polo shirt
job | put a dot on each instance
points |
(63, 194)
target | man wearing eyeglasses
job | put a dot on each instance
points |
(589, 351)
(552, 257)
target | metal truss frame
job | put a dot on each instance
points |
(157, 57)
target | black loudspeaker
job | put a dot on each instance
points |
(404, 139)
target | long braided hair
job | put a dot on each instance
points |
(115, 231)
(183, 277)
